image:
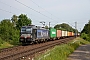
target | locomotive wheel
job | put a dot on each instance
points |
(32, 43)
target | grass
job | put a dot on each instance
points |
(61, 52)
(5, 45)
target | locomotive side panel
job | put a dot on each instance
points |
(42, 34)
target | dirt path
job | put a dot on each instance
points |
(81, 53)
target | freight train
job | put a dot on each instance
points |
(33, 34)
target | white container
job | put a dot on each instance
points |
(63, 33)
(66, 33)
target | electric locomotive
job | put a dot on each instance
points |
(30, 34)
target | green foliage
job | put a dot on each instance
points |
(15, 37)
(23, 20)
(5, 45)
(85, 33)
(64, 26)
(62, 52)
(1, 41)
(46, 27)
(14, 19)
(8, 31)
(5, 29)
(86, 28)
(85, 36)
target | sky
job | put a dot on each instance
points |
(53, 11)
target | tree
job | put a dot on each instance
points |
(57, 26)
(64, 26)
(14, 19)
(46, 27)
(22, 21)
(86, 28)
(8, 32)
(5, 29)
(85, 33)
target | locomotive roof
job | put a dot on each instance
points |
(34, 27)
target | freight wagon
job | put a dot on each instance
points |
(68, 33)
(59, 34)
(64, 34)
(52, 34)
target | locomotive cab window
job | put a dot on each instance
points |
(23, 29)
(26, 30)
(29, 30)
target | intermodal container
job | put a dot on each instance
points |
(63, 33)
(66, 33)
(72, 34)
(52, 33)
(59, 33)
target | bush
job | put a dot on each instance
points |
(85, 36)
(14, 40)
(1, 41)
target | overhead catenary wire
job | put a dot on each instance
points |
(71, 25)
(44, 9)
(7, 11)
(10, 6)
(15, 9)
(33, 9)
(40, 7)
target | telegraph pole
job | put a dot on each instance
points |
(80, 30)
(49, 24)
(75, 29)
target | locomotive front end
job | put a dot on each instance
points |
(26, 34)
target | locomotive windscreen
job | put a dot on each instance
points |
(26, 29)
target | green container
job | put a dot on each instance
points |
(52, 33)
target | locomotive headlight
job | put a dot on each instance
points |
(21, 39)
(31, 36)
(25, 36)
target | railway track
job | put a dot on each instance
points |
(23, 51)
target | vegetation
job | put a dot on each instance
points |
(61, 52)
(85, 33)
(5, 45)
(64, 26)
(22, 21)
(46, 27)
(10, 29)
